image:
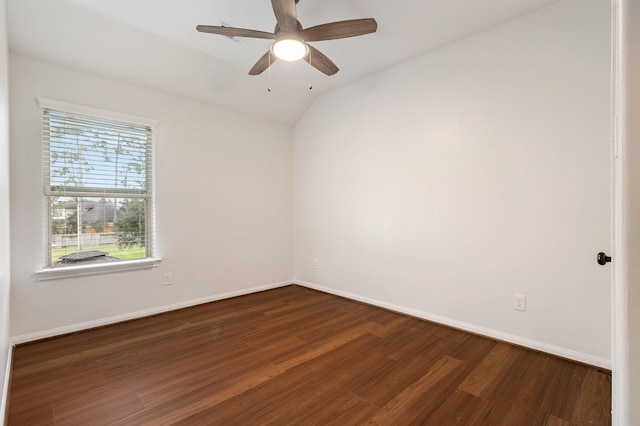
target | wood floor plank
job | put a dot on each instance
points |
(209, 380)
(534, 387)
(244, 409)
(390, 328)
(333, 407)
(556, 421)
(508, 381)
(358, 414)
(461, 408)
(384, 385)
(319, 331)
(99, 408)
(567, 390)
(48, 390)
(487, 371)
(510, 413)
(593, 406)
(405, 342)
(326, 368)
(291, 318)
(319, 398)
(397, 407)
(382, 316)
(313, 351)
(538, 386)
(41, 415)
(138, 375)
(473, 349)
(174, 405)
(293, 355)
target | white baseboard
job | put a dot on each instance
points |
(15, 340)
(4, 420)
(472, 328)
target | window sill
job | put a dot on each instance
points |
(80, 271)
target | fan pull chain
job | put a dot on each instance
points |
(310, 71)
(269, 73)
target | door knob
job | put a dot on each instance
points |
(603, 258)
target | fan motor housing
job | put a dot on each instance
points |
(299, 27)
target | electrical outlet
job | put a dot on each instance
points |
(519, 302)
(314, 265)
(168, 278)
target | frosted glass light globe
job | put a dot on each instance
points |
(289, 50)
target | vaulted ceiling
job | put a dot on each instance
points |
(154, 43)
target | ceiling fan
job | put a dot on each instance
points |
(291, 38)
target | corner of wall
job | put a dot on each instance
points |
(5, 264)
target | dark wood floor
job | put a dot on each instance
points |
(296, 356)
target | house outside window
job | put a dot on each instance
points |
(97, 187)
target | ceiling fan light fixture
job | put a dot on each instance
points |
(289, 49)
(290, 37)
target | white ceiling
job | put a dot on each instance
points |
(154, 43)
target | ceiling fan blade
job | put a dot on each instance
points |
(263, 63)
(340, 29)
(319, 61)
(286, 15)
(234, 32)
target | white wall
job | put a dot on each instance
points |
(224, 203)
(5, 264)
(446, 184)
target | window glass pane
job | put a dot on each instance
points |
(97, 182)
(87, 230)
(89, 153)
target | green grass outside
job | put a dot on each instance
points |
(111, 250)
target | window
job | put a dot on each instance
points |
(98, 188)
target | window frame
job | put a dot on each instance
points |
(150, 261)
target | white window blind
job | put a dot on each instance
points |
(98, 189)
